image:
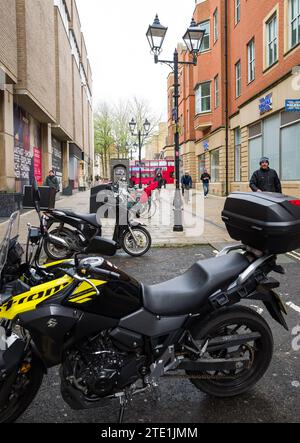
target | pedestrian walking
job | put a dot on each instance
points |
(265, 179)
(52, 181)
(205, 178)
(160, 181)
(187, 184)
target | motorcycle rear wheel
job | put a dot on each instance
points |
(56, 252)
(23, 392)
(226, 322)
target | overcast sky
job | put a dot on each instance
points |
(115, 34)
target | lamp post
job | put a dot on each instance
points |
(140, 135)
(193, 39)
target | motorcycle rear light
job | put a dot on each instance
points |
(295, 202)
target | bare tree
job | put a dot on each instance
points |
(141, 110)
(103, 133)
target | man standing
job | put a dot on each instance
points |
(205, 178)
(52, 181)
(187, 184)
(265, 179)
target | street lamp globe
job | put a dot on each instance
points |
(132, 125)
(193, 38)
(147, 126)
(156, 35)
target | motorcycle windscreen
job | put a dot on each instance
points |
(11, 233)
(102, 246)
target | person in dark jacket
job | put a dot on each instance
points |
(187, 184)
(265, 179)
(205, 178)
(52, 181)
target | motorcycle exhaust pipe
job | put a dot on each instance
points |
(57, 241)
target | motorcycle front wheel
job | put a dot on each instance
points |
(236, 320)
(137, 244)
(55, 252)
(23, 391)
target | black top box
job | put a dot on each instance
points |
(265, 221)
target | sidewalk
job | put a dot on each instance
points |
(214, 232)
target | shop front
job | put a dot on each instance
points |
(268, 126)
(27, 149)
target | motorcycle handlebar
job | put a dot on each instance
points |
(103, 272)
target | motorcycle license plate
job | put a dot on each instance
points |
(280, 304)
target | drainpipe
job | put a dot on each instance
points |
(226, 100)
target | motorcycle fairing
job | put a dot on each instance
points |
(30, 300)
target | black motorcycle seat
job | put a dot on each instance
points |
(89, 218)
(186, 293)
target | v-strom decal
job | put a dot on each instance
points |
(30, 300)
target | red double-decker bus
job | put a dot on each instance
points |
(149, 170)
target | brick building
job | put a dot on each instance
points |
(45, 96)
(234, 105)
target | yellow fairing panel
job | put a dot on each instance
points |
(85, 292)
(30, 300)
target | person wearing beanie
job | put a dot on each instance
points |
(265, 179)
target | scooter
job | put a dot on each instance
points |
(130, 236)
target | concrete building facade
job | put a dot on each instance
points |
(45, 97)
(242, 100)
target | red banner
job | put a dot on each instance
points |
(37, 165)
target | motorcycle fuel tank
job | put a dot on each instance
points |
(117, 299)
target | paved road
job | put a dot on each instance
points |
(276, 398)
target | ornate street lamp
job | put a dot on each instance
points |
(193, 39)
(140, 135)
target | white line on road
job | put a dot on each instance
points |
(293, 306)
(294, 255)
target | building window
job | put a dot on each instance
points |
(238, 79)
(237, 154)
(217, 92)
(289, 149)
(294, 12)
(272, 41)
(277, 138)
(215, 165)
(251, 61)
(63, 12)
(216, 24)
(203, 98)
(206, 39)
(237, 11)
(74, 47)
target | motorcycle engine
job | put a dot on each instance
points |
(96, 369)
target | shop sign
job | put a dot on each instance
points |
(266, 103)
(292, 105)
(37, 165)
(206, 146)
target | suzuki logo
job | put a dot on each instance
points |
(52, 323)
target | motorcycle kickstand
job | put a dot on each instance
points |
(123, 406)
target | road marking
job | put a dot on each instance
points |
(293, 306)
(294, 255)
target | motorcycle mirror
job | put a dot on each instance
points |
(101, 246)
